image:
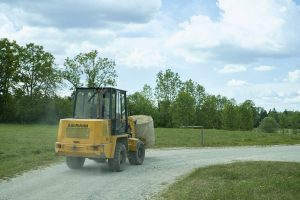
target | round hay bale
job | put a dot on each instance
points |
(145, 129)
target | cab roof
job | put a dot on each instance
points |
(98, 88)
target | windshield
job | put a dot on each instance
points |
(92, 104)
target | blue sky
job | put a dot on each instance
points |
(246, 49)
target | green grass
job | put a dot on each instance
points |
(166, 137)
(23, 147)
(246, 180)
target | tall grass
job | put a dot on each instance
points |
(246, 180)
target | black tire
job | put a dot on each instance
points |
(118, 162)
(75, 162)
(137, 157)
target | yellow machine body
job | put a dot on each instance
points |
(90, 138)
(100, 130)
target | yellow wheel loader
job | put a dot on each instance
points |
(101, 130)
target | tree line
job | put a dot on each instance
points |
(177, 103)
(30, 79)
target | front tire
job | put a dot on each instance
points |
(117, 163)
(137, 157)
(75, 162)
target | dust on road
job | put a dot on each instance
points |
(160, 168)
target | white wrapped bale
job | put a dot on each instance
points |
(145, 129)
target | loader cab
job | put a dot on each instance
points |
(102, 103)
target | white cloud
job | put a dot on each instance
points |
(78, 13)
(294, 76)
(137, 52)
(140, 58)
(293, 100)
(141, 53)
(132, 43)
(280, 95)
(263, 68)
(199, 32)
(247, 30)
(230, 68)
(128, 51)
(236, 83)
(60, 43)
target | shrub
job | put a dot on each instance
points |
(269, 125)
(295, 131)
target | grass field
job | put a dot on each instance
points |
(246, 180)
(23, 147)
(166, 137)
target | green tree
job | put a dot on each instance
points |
(38, 80)
(147, 92)
(209, 113)
(221, 101)
(283, 120)
(199, 95)
(168, 85)
(72, 72)
(9, 62)
(99, 72)
(138, 104)
(164, 114)
(57, 108)
(37, 73)
(230, 117)
(293, 120)
(30, 109)
(246, 111)
(28, 80)
(183, 110)
(274, 114)
(269, 125)
(189, 87)
(262, 114)
(258, 116)
(196, 90)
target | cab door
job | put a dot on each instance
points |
(120, 112)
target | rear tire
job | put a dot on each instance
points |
(117, 163)
(137, 157)
(75, 162)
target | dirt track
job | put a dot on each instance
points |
(161, 167)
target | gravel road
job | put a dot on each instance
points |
(160, 168)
